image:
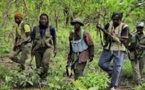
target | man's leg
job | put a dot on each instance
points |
(13, 55)
(45, 62)
(38, 60)
(25, 51)
(136, 71)
(117, 67)
(104, 61)
(79, 69)
(141, 65)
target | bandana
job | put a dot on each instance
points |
(118, 15)
(19, 15)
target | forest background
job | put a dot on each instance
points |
(61, 12)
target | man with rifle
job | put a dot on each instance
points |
(81, 49)
(22, 39)
(115, 35)
(136, 46)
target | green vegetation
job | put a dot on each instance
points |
(140, 87)
(91, 12)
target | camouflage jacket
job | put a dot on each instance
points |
(136, 45)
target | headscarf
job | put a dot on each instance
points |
(117, 14)
(19, 15)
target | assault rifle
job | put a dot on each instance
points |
(116, 39)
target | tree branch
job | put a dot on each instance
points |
(27, 13)
(6, 13)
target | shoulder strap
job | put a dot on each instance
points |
(110, 27)
(48, 31)
(49, 27)
(82, 34)
(37, 31)
(73, 35)
(22, 26)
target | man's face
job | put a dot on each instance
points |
(139, 30)
(18, 19)
(116, 20)
(77, 26)
(44, 20)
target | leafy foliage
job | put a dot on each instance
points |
(93, 80)
(140, 87)
(12, 78)
(127, 69)
(90, 11)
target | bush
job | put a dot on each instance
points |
(12, 78)
(5, 86)
(59, 83)
(127, 69)
(93, 81)
(140, 87)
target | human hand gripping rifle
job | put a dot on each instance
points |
(17, 41)
(141, 53)
(116, 39)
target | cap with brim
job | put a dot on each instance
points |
(141, 24)
(77, 20)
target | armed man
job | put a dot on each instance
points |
(115, 34)
(136, 46)
(44, 39)
(22, 39)
(81, 48)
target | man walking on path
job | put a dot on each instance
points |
(114, 50)
(136, 45)
(43, 38)
(81, 48)
(22, 38)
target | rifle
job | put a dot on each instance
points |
(17, 41)
(116, 39)
(69, 68)
(141, 50)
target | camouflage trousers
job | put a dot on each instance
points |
(137, 66)
(78, 69)
(24, 50)
(42, 57)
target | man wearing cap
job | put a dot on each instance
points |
(22, 39)
(81, 48)
(114, 50)
(136, 47)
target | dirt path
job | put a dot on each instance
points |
(124, 88)
(8, 62)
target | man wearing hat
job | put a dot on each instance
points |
(81, 48)
(21, 44)
(114, 50)
(137, 52)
